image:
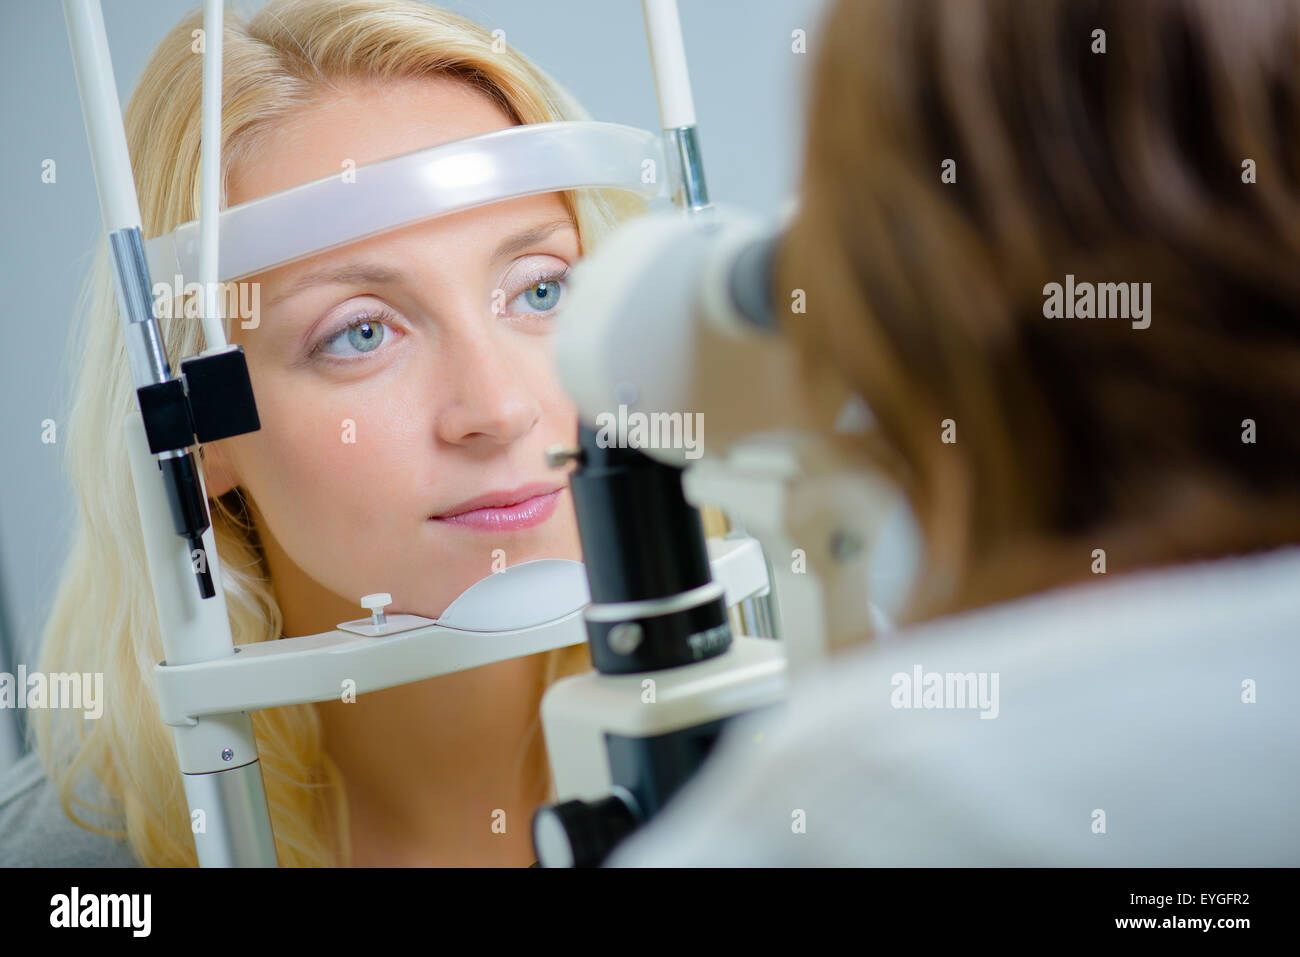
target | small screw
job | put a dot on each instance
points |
(227, 754)
(558, 455)
(376, 603)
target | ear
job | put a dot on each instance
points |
(218, 476)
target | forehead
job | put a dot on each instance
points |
(362, 122)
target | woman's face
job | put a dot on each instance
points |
(390, 390)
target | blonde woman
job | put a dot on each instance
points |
(450, 401)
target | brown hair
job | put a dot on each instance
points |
(1129, 165)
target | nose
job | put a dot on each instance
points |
(488, 401)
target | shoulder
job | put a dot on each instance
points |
(1101, 725)
(36, 832)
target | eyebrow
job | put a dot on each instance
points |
(529, 237)
(364, 273)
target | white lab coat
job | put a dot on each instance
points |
(1143, 720)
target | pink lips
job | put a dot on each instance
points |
(496, 518)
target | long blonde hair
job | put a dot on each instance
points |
(103, 617)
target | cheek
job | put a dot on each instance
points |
(546, 383)
(327, 466)
(556, 401)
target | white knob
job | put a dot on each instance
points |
(376, 603)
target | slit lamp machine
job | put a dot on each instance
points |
(652, 595)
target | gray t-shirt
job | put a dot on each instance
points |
(1144, 720)
(35, 832)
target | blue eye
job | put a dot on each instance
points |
(364, 335)
(543, 295)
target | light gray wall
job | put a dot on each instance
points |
(748, 87)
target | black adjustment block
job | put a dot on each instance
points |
(221, 395)
(166, 414)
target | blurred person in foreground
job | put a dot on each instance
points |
(1096, 664)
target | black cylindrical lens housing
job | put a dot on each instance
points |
(640, 537)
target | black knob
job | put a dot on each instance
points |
(582, 833)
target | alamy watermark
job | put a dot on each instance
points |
(240, 300)
(651, 430)
(36, 689)
(1104, 300)
(129, 911)
(934, 689)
